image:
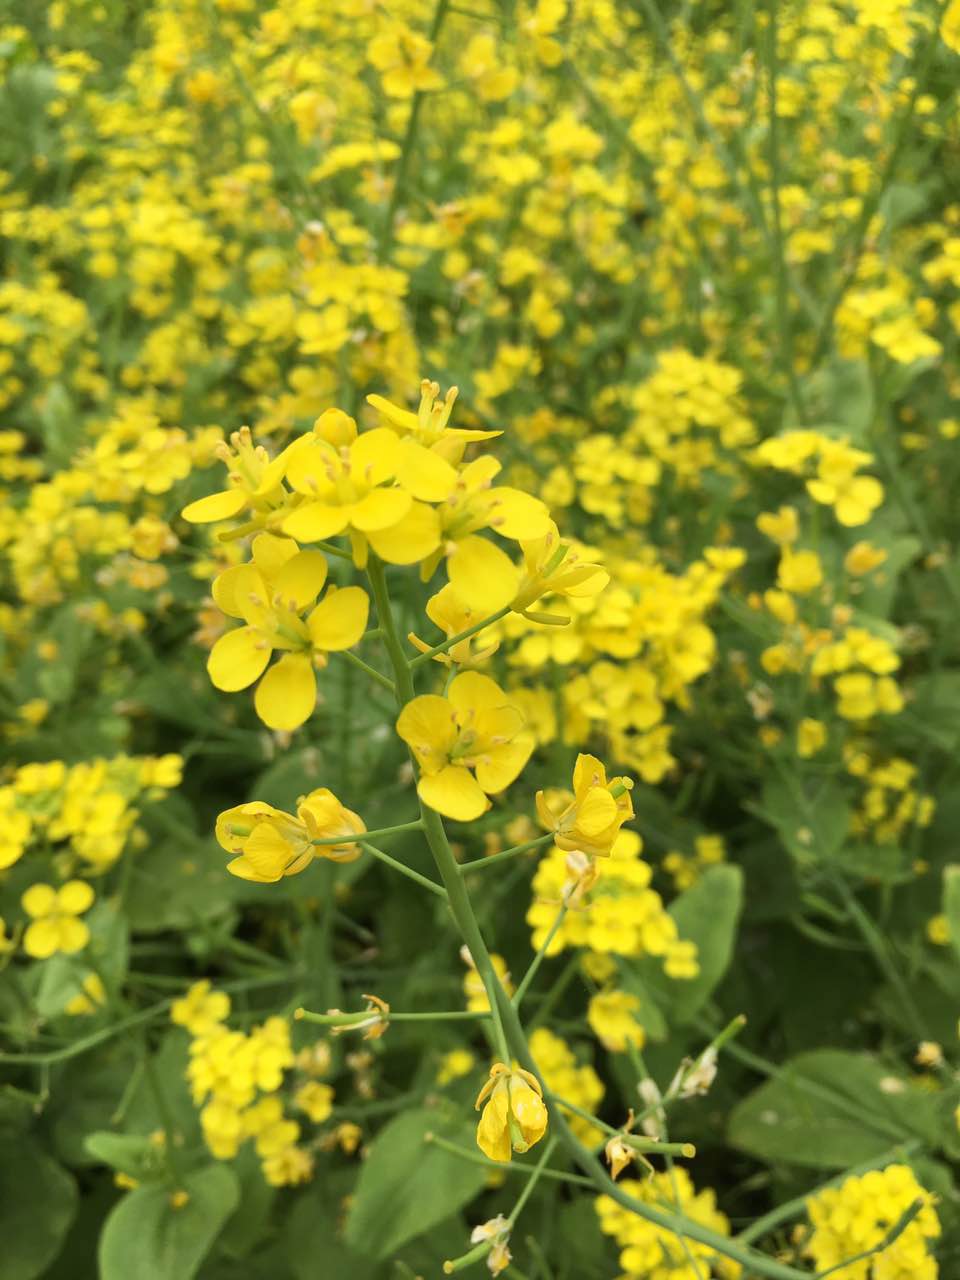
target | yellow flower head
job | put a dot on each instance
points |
(612, 1018)
(452, 616)
(254, 480)
(55, 926)
(428, 426)
(201, 1009)
(374, 487)
(270, 844)
(475, 727)
(553, 566)
(515, 1115)
(269, 595)
(592, 820)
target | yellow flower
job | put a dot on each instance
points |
(255, 481)
(201, 1009)
(811, 737)
(950, 26)
(452, 616)
(592, 820)
(781, 528)
(428, 426)
(269, 595)
(270, 844)
(551, 565)
(473, 988)
(316, 1100)
(863, 558)
(611, 1017)
(515, 1116)
(475, 727)
(402, 57)
(54, 914)
(800, 572)
(853, 498)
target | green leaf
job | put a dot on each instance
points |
(951, 903)
(707, 914)
(830, 1109)
(38, 1200)
(131, 1153)
(314, 1230)
(146, 1237)
(813, 820)
(406, 1185)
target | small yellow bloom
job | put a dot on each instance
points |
(863, 558)
(800, 572)
(316, 1100)
(54, 914)
(201, 1009)
(92, 997)
(611, 1015)
(592, 820)
(553, 566)
(402, 57)
(254, 480)
(811, 737)
(475, 727)
(270, 844)
(515, 1116)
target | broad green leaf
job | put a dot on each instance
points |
(707, 914)
(315, 1230)
(812, 820)
(406, 1185)
(146, 1237)
(131, 1153)
(830, 1109)
(38, 1200)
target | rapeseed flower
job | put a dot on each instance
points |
(54, 918)
(592, 819)
(270, 844)
(514, 1114)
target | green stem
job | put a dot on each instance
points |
(513, 1166)
(539, 958)
(538, 1171)
(463, 635)
(784, 324)
(406, 148)
(416, 825)
(507, 1026)
(88, 1042)
(894, 1234)
(404, 870)
(372, 672)
(480, 864)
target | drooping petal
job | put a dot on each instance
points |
(482, 576)
(287, 694)
(425, 474)
(454, 792)
(237, 659)
(340, 619)
(301, 579)
(218, 506)
(411, 539)
(315, 520)
(380, 509)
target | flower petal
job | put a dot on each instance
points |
(237, 659)
(340, 619)
(74, 934)
(374, 456)
(424, 474)
(270, 552)
(301, 579)
(287, 694)
(427, 726)
(75, 897)
(42, 938)
(380, 509)
(39, 900)
(496, 769)
(515, 514)
(218, 506)
(412, 539)
(482, 576)
(315, 520)
(454, 792)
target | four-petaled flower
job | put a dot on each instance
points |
(515, 1115)
(591, 821)
(269, 843)
(54, 918)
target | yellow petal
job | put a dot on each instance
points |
(374, 456)
(245, 870)
(380, 509)
(287, 694)
(596, 812)
(496, 769)
(237, 659)
(39, 900)
(242, 817)
(42, 938)
(424, 474)
(309, 464)
(402, 418)
(270, 552)
(75, 897)
(301, 579)
(482, 576)
(588, 772)
(74, 934)
(518, 515)
(454, 792)
(232, 589)
(218, 506)
(315, 520)
(427, 726)
(340, 619)
(267, 852)
(412, 539)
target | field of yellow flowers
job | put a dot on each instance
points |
(478, 639)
